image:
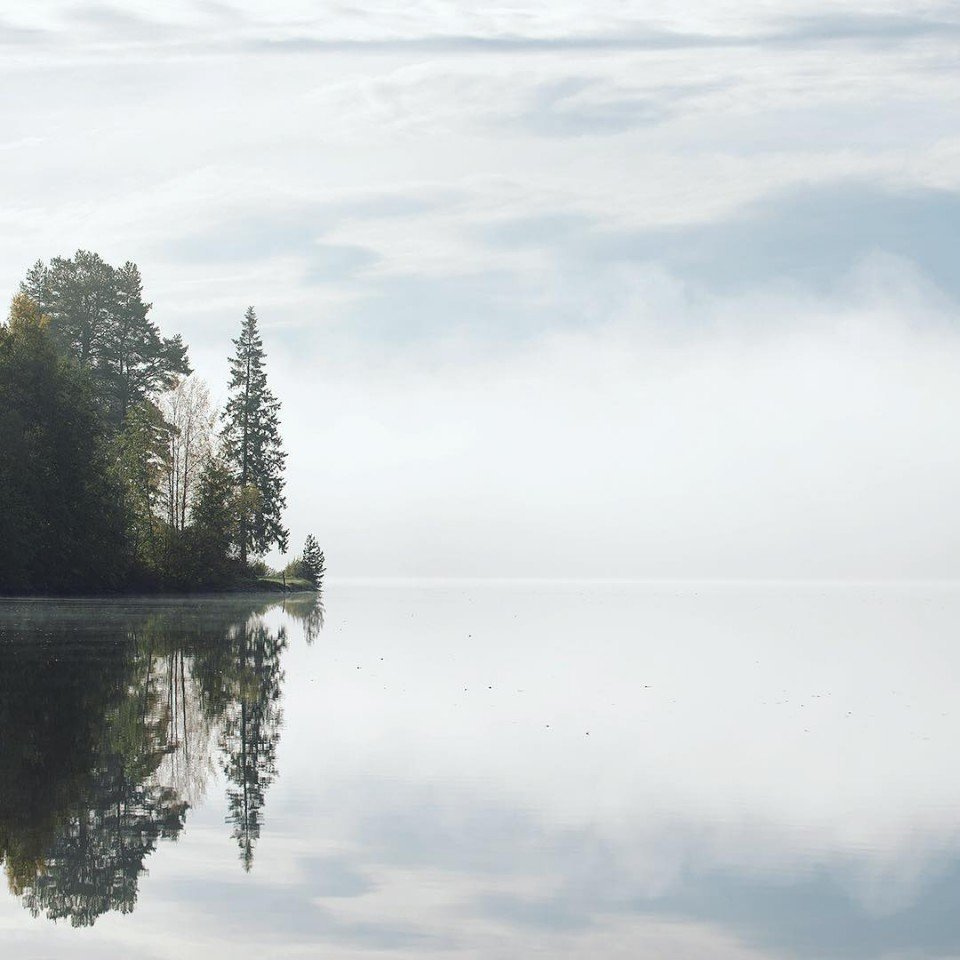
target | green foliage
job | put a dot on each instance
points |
(252, 447)
(285, 583)
(61, 522)
(210, 549)
(141, 451)
(98, 316)
(106, 484)
(312, 561)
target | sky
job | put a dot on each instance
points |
(607, 289)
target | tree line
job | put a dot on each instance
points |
(116, 471)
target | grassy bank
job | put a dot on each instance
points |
(281, 585)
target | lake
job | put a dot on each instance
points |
(484, 770)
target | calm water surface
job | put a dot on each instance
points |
(484, 770)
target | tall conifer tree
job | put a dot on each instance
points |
(252, 445)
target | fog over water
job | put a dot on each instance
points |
(577, 290)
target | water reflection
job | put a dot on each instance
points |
(309, 611)
(111, 730)
(495, 770)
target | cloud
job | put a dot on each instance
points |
(463, 44)
(635, 37)
(891, 28)
(223, 12)
(517, 873)
(260, 903)
(578, 106)
(812, 915)
(809, 913)
(245, 238)
(12, 35)
(276, 227)
(334, 877)
(455, 30)
(409, 311)
(812, 237)
(118, 26)
(338, 263)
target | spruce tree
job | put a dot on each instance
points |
(311, 563)
(252, 446)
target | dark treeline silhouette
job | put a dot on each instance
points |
(112, 726)
(114, 475)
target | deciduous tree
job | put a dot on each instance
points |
(191, 419)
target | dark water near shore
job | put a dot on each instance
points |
(484, 770)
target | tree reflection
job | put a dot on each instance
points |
(308, 611)
(110, 729)
(251, 731)
(96, 857)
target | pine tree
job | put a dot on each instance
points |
(36, 285)
(98, 316)
(137, 361)
(252, 446)
(311, 563)
(79, 296)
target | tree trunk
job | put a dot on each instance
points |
(243, 467)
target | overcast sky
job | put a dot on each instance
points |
(548, 289)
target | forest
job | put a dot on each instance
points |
(116, 472)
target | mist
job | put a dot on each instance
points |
(758, 437)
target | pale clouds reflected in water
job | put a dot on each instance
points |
(483, 769)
